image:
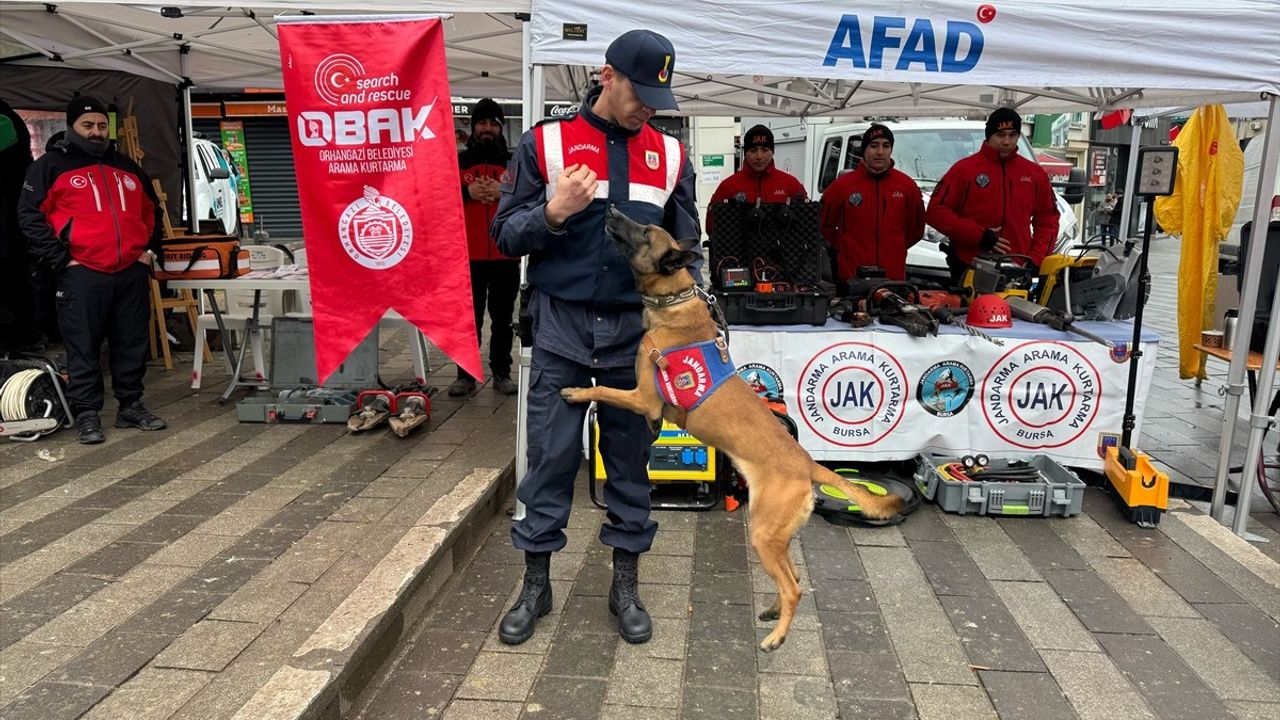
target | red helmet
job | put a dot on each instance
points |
(990, 311)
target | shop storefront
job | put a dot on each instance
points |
(266, 157)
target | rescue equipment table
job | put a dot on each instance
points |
(259, 285)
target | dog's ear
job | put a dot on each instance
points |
(673, 260)
(688, 243)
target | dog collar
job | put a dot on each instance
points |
(661, 301)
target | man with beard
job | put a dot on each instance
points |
(872, 215)
(495, 278)
(759, 180)
(93, 220)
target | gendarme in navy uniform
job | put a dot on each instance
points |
(586, 310)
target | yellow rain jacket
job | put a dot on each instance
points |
(1201, 210)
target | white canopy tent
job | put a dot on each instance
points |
(937, 57)
(947, 57)
(210, 46)
(213, 46)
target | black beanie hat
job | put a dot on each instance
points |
(875, 132)
(487, 109)
(1003, 119)
(758, 136)
(82, 104)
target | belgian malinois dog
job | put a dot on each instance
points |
(778, 471)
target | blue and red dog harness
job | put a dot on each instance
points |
(688, 374)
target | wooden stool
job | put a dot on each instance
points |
(159, 305)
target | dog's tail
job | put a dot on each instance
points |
(876, 507)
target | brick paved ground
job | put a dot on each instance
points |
(219, 568)
(170, 574)
(942, 617)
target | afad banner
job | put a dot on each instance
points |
(377, 168)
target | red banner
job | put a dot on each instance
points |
(377, 169)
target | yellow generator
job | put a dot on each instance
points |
(683, 470)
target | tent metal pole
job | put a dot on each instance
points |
(528, 115)
(1244, 332)
(1126, 212)
(1258, 420)
(188, 132)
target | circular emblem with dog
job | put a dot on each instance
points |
(983, 180)
(945, 388)
(763, 379)
(855, 199)
(1041, 394)
(129, 184)
(852, 393)
(375, 230)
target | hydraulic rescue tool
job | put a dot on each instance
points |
(373, 407)
(412, 410)
(896, 310)
(1024, 309)
(1141, 490)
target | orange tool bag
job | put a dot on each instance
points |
(203, 257)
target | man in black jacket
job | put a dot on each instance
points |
(92, 218)
(18, 323)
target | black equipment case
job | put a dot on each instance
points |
(779, 245)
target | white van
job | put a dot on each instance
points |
(216, 187)
(924, 150)
(1244, 214)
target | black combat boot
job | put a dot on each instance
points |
(534, 601)
(634, 624)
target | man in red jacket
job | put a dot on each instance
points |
(494, 276)
(758, 180)
(91, 216)
(874, 214)
(995, 201)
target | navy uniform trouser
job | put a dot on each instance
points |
(498, 282)
(93, 306)
(555, 456)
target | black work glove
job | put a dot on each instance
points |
(989, 239)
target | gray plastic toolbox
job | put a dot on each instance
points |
(1060, 493)
(294, 395)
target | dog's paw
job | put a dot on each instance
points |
(575, 395)
(772, 642)
(770, 615)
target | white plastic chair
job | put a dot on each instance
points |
(238, 312)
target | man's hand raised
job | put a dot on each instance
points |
(575, 189)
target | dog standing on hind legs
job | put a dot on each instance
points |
(731, 417)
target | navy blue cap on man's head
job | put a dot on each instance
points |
(648, 60)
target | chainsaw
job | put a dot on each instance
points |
(1003, 275)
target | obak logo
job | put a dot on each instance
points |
(916, 49)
